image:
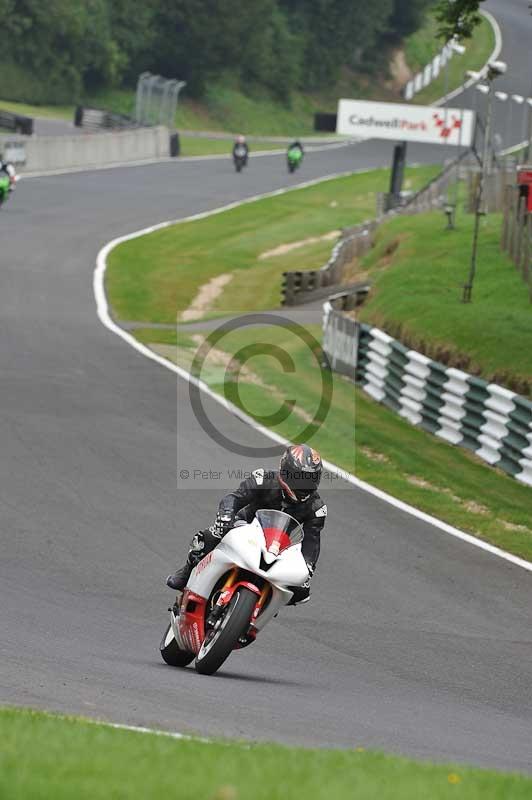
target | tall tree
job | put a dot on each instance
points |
(457, 18)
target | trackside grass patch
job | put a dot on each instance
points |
(46, 757)
(357, 434)
(156, 277)
(417, 270)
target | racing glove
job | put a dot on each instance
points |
(224, 522)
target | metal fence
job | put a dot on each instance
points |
(156, 100)
(96, 118)
(16, 122)
(516, 236)
(304, 285)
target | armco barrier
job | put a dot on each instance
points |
(300, 286)
(43, 153)
(304, 285)
(487, 419)
(97, 118)
(16, 122)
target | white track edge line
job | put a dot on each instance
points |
(141, 729)
(105, 318)
(185, 737)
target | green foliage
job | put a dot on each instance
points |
(62, 50)
(458, 18)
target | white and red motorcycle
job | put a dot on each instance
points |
(235, 590)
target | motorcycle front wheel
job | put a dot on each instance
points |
(222, 639)
(171, 652)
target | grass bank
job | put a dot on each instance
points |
(155, 278)
(418, 269)
(45, 756)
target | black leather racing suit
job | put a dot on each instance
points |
(262, 490)
(8, 168)
(241, 146)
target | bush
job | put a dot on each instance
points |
(61, 87)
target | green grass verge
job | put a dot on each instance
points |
(156, 277)
(418, 268)
(26, 110)
(358, 434)
(45, 756)
(201, 146)
(422, 47)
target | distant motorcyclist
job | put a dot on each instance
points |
(6, 168)
(294, 155)
(292, 489)
(241, 148)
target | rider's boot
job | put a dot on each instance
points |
(179, 579)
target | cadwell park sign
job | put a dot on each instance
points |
(406, 123)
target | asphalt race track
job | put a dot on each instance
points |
(415, 642)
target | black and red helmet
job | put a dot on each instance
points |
(299, 472)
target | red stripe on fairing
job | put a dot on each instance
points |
(191, 623)
(273, 535)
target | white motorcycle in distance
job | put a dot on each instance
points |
(240, 157)
(235, 590)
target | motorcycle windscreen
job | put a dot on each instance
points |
(280, 530)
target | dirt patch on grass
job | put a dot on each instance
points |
(512, 526)
(206, 296)
(475, 508)
(282, 249)
(422, 483)
(373, 455)
(399, 70)
(468, 505)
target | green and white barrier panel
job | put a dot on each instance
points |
(487, 419)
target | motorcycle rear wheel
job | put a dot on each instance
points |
(235, 622)
(171, 652)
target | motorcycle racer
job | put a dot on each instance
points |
(295, 147)
(239, 146)
(8, 169)
(293, 489)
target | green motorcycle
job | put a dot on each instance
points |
(5, 184)
(8, 178)
(294, 157)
